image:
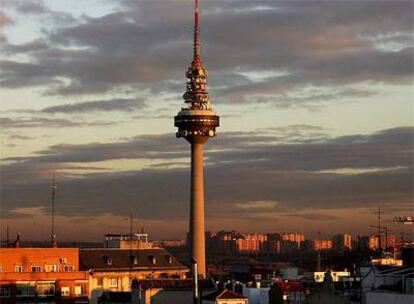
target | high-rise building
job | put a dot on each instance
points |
(385, 242)
(197, 122)
(298, 238)
(322, 244)
(342, 242)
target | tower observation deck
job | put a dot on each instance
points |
(197, 122)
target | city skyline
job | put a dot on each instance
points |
(316, 101)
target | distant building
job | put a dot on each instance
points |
(273, 242)
(322, 244)
(284, 292)
(246, 245)
(385, 242)
(298, 238)
(113, 269)
(126, 241)
(46, 275)
(169, 243)
(342, 242)
(249, 273)
(224, 297)
(289, 273)
(362, 242)
(389, 261)
(287, 246)
(326, 293)
(319, 276)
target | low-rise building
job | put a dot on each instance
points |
(225, 297)
(385, 284)
(46, 275)
(319, 276)
(113, 269)
(284, 291)
(170, 291)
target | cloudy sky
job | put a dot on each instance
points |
(315, 99)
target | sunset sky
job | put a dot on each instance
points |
(315, 99)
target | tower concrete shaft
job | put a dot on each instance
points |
(197, 229)
(197, 122)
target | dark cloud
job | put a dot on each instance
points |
(118, 104)
(19, 137)
(42, 122)
(320, 44)
(27, 7)
(240, 169)
(314, 216)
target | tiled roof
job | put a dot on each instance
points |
(224, 295)
(124, 259)
(290, 286)
(174, 283)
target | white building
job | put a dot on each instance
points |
(389, 285)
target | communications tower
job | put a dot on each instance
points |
(197, 122)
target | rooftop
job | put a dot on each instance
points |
(224, 295)
(126, 259)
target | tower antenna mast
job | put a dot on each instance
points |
(53, 236)
(379, 230)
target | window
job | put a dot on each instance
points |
(4, 292)
(168, 258)
(152, 259)
(79, 290)
(63, 260)
(113, 282)
(69, 268)
(25, 289)
(107, 259)
(18, 268)
(65, 291)
(45, 289)
(52, 268)
(36, 269)
(133, 259)
(99, 282)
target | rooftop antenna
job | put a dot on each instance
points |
(379, 231)
(197, 42)
(7, 236)
(53, 235)
(318, 265)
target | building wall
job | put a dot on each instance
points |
(342, 242)
(28, 257)
(322, 244)
(122, 280)
(389, 241)
(320, 275)
(56, 271)
(38, 285)
(372, 297)
(256, 295)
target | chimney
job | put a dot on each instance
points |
(17, 242)
(54, 242)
